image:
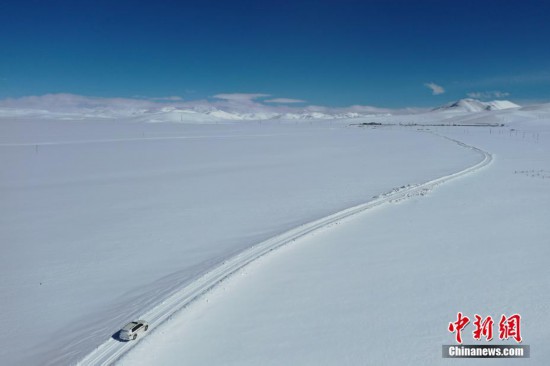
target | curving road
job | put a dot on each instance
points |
(111, 350)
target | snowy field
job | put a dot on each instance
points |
(103, 221)
(381, 287)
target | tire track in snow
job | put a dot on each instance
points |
(112, 350)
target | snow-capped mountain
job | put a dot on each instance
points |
(76, 107)
(474, 105)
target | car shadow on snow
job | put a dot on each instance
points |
(116, 337)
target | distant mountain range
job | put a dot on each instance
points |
(68, 106)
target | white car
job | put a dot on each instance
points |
(132, 329)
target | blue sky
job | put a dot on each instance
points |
(381, 52)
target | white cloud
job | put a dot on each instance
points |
(488, 94)
(436, 89)
(240, 97)
(70, 102)
(172, 98)
(245, 104)
(284, 100)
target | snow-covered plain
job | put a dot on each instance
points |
(381, 287)
(103, 220)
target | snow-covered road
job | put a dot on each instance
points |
(382, 288)
(111, 218)
(113, 349)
